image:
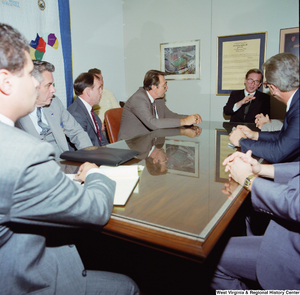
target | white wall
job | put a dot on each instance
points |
(98, 41)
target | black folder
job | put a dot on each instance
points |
(100, 155)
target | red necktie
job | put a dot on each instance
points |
(97, 127)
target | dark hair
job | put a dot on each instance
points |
(94, 71)
(154, 169)
(40, 67)
(12, 49)
(255, 71)
(282, 70)
(83, 81)
(152, 78)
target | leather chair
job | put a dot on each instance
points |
(112, 120)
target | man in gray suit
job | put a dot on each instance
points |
(57, 123)
(272, 260)
(88, 88)
(145, 110)
(36, 197)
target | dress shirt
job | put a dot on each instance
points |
(235, 108)
(89, 108)
(6, 121)
(288, 104)
(34, 119)
(152, 101)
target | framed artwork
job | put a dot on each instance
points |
(289, 41)
(223, 150)
(180, 60)
(183, 157)
(236, 55)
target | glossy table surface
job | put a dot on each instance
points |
(179, 207)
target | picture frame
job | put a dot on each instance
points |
(180, 60)
(236, 55)
(289, 41)
(222, 152)
(183, 157)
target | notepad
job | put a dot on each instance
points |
(126, 178)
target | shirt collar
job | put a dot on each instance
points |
(6, 120)
(288, 104)
(150, 97)
(88, 106)
(247, 93)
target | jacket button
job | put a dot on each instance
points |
(84, 273)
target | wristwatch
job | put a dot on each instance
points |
(248, 181)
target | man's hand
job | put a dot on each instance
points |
(191, 120)
(191, 132)
(83, 169)
(235, 135)
(260, 120)
(245, 100)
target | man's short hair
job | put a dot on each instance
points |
(40, 67)
(94, 71)
(154, 169)
(12, 49)
(255, 71)
(152, 78)
(83, 81)
(282, 70)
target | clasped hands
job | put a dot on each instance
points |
(191, 120)
(242, 131)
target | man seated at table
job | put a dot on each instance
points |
(282, 75)
(50, 121)
(243, 105)
(108, 100)
(270, 261)
(88, 88)
(37, 198)
(145, 110)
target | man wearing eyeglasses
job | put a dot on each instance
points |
(282, 75)
(146, 111)
(50, 121)
(244, 105)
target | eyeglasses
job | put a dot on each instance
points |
(250, 80)
(164, 86)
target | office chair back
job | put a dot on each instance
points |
(112, 119)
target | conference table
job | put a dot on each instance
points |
(180, 205)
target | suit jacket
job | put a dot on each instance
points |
(279, 146)
(36, 196)
(62, 124)
(278, 262)
(137, 116)
(80, 113)
(261, 104)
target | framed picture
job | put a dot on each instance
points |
(180, 60)
(183, 157)
(289, 41)
(236, 55)
(223, 150)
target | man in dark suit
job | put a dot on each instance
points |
(270, 260)
(282, 75)
(36, 197)
(61, 127)
(145, 110)
(244, 105)
(88, 88)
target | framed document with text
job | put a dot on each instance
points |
(236, 55)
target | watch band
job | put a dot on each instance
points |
(248, 181)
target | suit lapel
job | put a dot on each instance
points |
(26, 124)
(83, 108)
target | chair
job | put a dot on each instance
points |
(112, 119)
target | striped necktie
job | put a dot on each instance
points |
(97, 127)
(45, 127)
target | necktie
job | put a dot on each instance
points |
(45, 127)
(247, 108)
(97, 127)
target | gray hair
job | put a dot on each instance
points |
(12, 49)
(282, 70)
(40, 67)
